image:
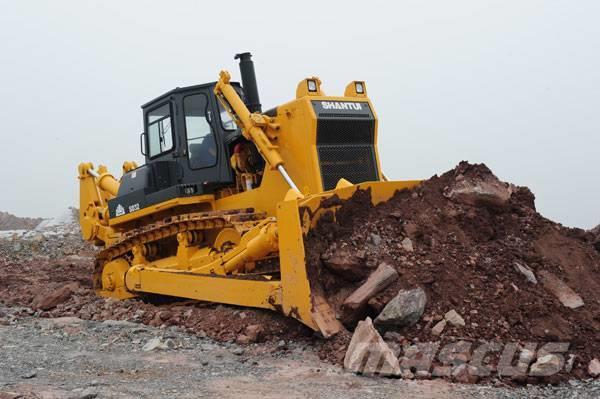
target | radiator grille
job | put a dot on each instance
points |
(355, 163)
(345, 148)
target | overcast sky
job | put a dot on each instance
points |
(513, 84)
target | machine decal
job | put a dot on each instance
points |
(119, 211)
(134, 207)
(341, 105)
(343, 109)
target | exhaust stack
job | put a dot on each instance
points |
(249, 82)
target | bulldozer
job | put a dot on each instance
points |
(221, 208)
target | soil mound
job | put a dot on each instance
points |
(475, 245)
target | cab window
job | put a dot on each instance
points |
(160, 134)
(201, 145)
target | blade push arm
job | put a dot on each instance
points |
(253, 125)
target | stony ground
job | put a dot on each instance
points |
(73, 358)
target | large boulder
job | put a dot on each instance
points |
(404, 310)
(476, 185)
(368, 354)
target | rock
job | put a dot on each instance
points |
(165, 315)
(120, 324)
(29, 375)
(465, 374)
(353, 308)
(454, 318)
(423, 374)
(254, 332)
(407, 245)
(526, 356)
(393, 336)
(527, 272)
(545, 366)
(562, 291)
(570, 362)
(594, 367)
(88, 393)
(439, 327)
(375, 239)
(368, 354)
(403, 310)
(44, 301)
(347, 265)
(243, 339)
(67, 321)
(474, 191)
(238, 351)
(407, 374)
(169, 344)
(154, 344)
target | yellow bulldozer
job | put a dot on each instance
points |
(221, 208)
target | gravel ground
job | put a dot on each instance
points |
(72, 358)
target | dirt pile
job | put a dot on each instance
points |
(12, 222)
(478, 249)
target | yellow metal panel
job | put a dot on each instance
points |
(229, 290)
(197, 199)
(298, 299)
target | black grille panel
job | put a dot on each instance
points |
(355, 163)
(345, 142)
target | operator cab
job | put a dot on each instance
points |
(190, 130)
(187, 143)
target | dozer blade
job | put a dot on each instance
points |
(302, 295)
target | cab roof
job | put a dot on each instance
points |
(178, 90)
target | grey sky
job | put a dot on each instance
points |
(514, 84)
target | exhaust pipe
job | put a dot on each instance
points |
(249, 82)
